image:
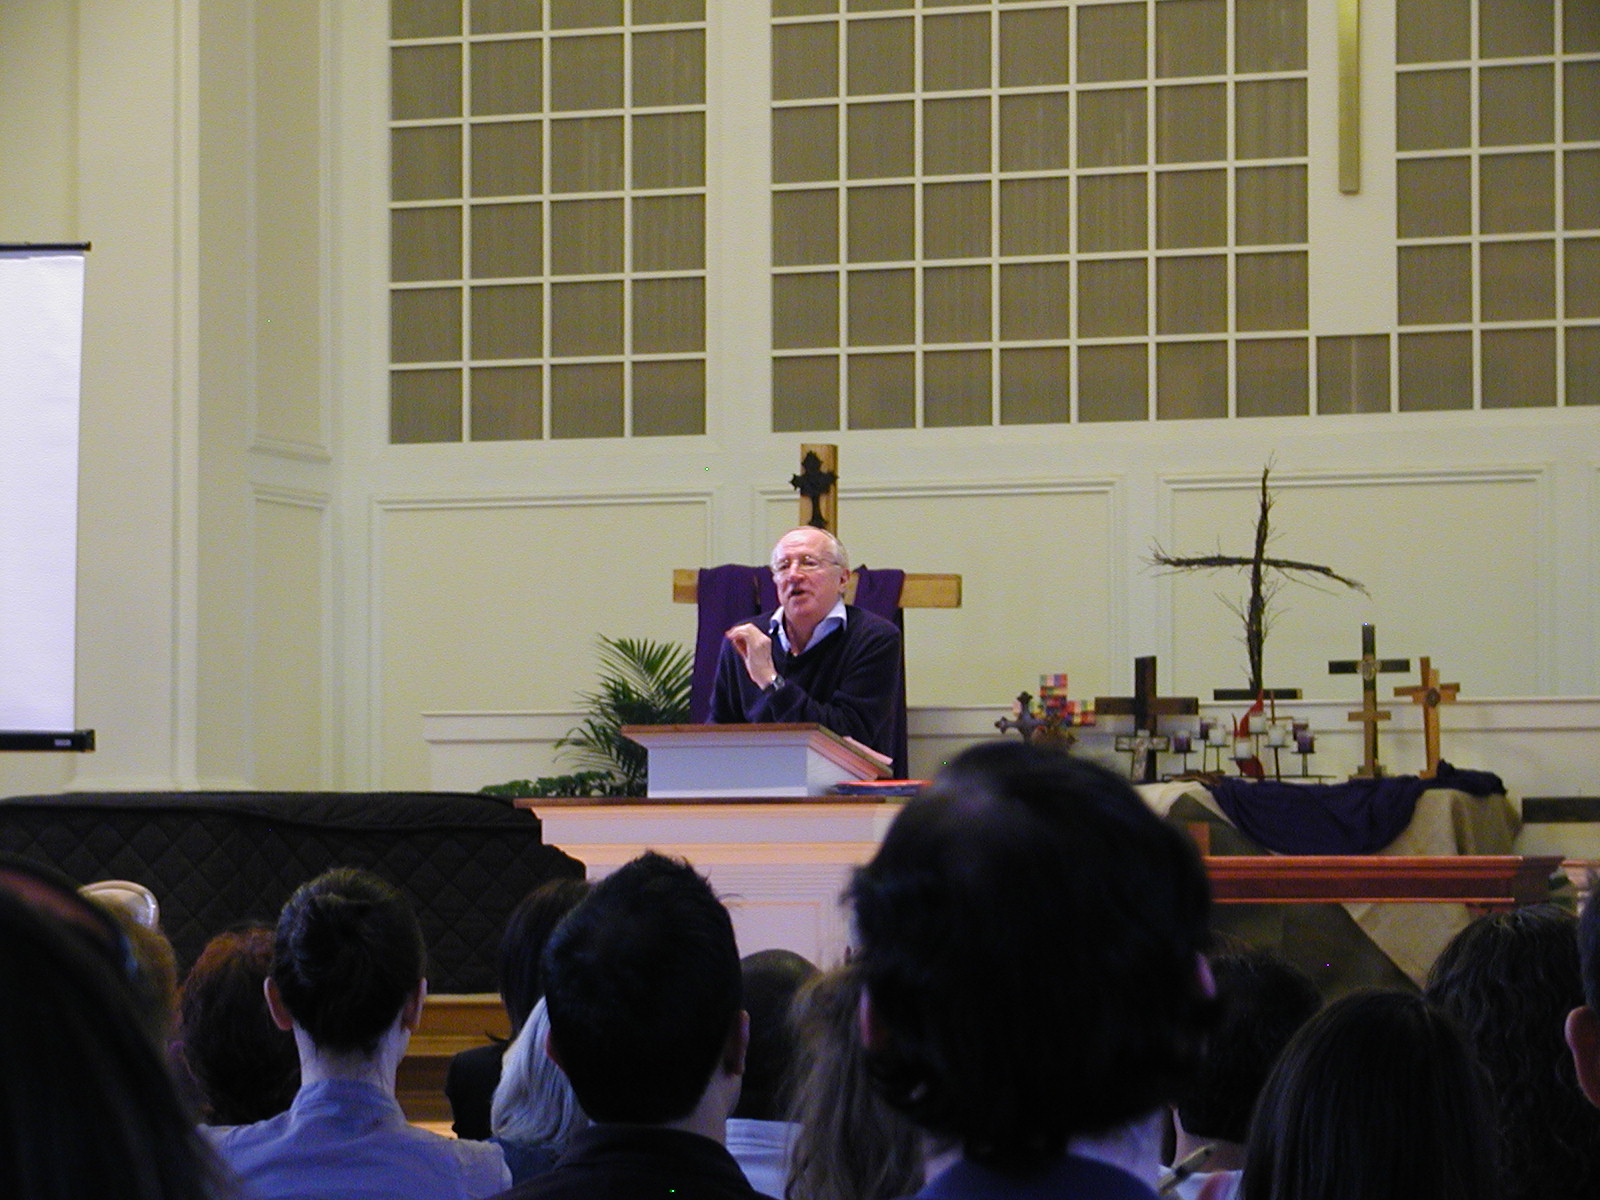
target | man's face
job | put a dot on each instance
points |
(807, 594)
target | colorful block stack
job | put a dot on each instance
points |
(1053, 699)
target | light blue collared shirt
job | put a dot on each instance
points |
(834, 620)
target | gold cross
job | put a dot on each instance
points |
(1430, 693)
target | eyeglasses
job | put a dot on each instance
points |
(804, 562)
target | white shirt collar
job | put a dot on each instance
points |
(834, 620)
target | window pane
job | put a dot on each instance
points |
(586, 400)
(1034, 301)
(1113, 383)
(1435, 371)
(1273, 291)
(1111, 213)
(1035, 385)
(424, 406)
(1191, 380)
(669, 68)
(424, 82)
(1435, 285)
(669, 398)
(805, 393)
(805, 61)
(669, 233)
(507, 404)
(425, 325)
(1272, 378)
(425, 243)
(1353, 374)
(1113, 298)
(1191, 38)
(955, 51)
(1033, 47)
(1192, 294)
(1519, 368)
(956, 303)
(805, 310)
(585, 319)
(507, 240)
(882, 309)
(507, 159)
(882, 391)
(956, 388)
(586, 237)
(1035, 216)
(507, 321)
(805, 228)
(586, 72)
(880, 56)
(507, 77)
(669, 150)
(955, 220)
(669, 316)
(1191, 209)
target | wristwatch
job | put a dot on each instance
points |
(775, 686)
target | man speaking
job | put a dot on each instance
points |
(815, 658)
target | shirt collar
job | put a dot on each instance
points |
(834, 620)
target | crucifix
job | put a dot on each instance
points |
(1368, 666)
(1255, 608)
(818, 485)
(1049, 729)
(1430, 693)
(1145, 706)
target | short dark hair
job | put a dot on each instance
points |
(522, 943)
(642, 987)
(1029, 936)
(1376, 1098)
(772, 980)
(1262, 1001)
(348, 955)
(1510, 979)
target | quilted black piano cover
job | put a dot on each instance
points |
(217, 858)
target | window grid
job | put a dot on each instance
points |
(1536, 376)
(1149, 340)
(424, 407)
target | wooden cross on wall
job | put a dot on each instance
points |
(1145, 706)
(1430, 693)
(818, 485)
(1368, 666)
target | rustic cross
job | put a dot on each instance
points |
(1259, 600)
(1368, 666)
(817, 484)
(1430, 693)
(1145, 706)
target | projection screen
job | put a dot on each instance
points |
(41, 341)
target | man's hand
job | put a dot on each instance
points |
(755, 650)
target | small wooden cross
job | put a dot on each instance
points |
(1368, 666)
(1430, 693)
(1145, 706)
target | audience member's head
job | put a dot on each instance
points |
(244, 1067)
(534, 1104)
(642, 984)
(1261, 1003)
(1376, 1098)
(772, 979)
(1030, 942)
(87, 1106)
(850, 1144)
(1583, 1023)
(522, 943)
(155, 984)
(1510, 979)
(347, 960)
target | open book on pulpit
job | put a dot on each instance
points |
(752, 761)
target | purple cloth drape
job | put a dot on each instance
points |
(726, 595)
(1360, 816)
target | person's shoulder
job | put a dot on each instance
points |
(865, 620)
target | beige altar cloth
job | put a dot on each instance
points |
(1446, 822)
